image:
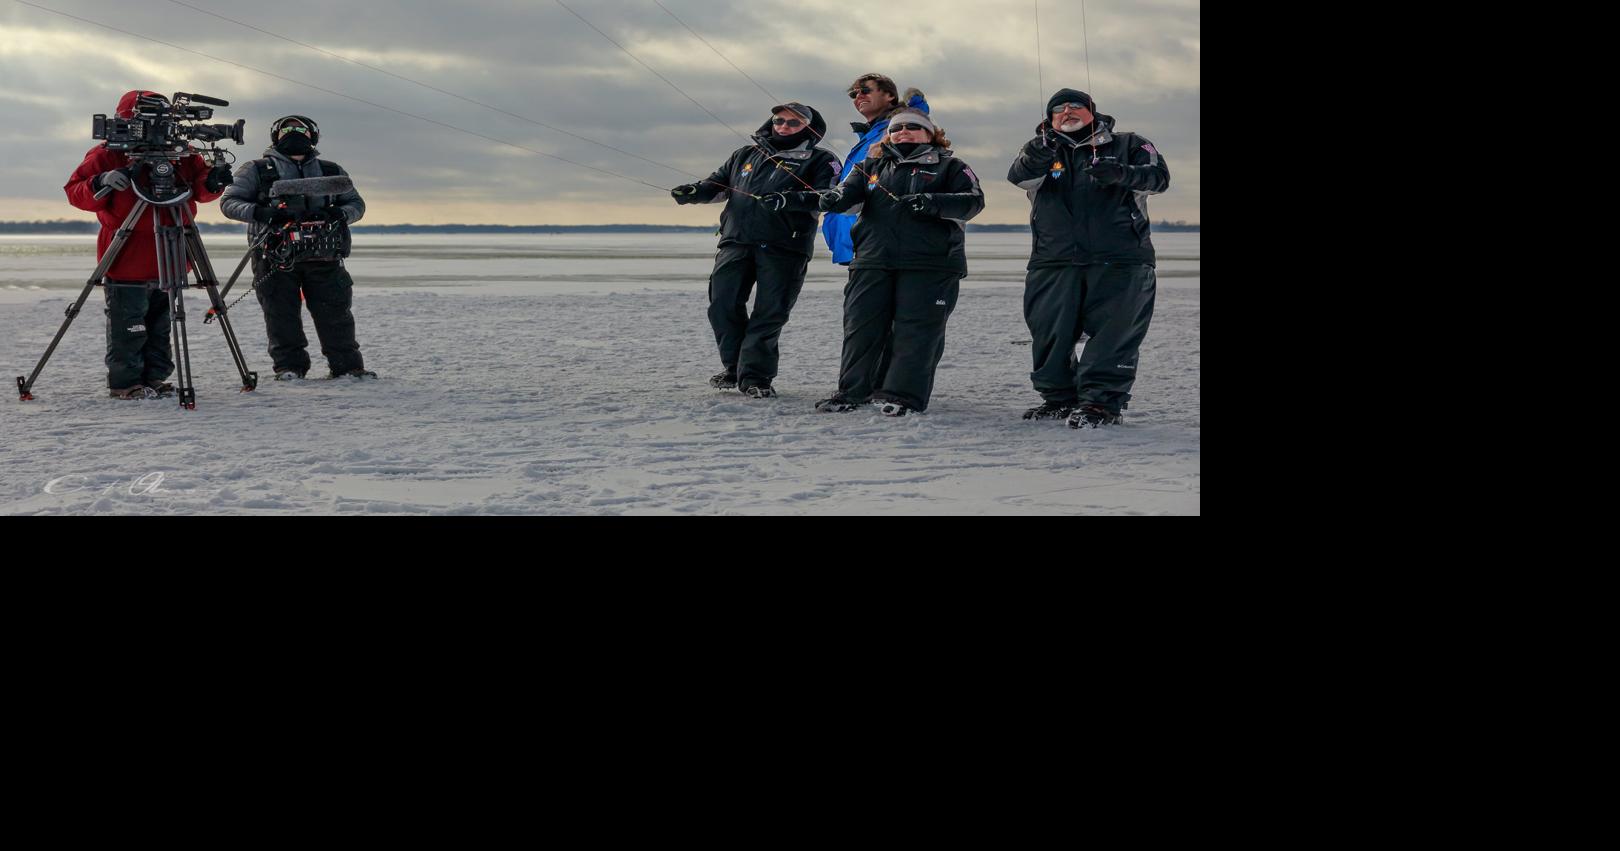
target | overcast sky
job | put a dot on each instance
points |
(974, 59)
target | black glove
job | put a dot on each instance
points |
(275, 217)
(1106, 171)
(827, 200)
(922, 205)
(776, 202)
(686, 193)
(218, 178)
(117, 179)
(1047, 136)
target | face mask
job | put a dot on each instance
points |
(294, 144)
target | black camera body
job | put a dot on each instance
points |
(166, 127)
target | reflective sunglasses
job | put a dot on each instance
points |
(788, 122)
(898, 128)
(864, 90)
(1067, 106)
(292, 129)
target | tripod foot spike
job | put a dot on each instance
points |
(22, 390)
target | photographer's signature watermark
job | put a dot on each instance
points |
(150, 484)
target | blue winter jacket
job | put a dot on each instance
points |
(835, 226)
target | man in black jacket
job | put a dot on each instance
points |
(761, 243)
(322, 283)
(1091, 268)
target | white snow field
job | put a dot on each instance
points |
(567, 374)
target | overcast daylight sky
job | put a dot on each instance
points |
(974, 59)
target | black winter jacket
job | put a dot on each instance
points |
(1077, 221)
(761, 170)
(889, 234)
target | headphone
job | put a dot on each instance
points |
(314, 129)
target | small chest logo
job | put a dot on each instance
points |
(871, 180)
(1057, 171)
(748, 168)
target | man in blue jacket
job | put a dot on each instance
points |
(875, 98)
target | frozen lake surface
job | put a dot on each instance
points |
(565, 374)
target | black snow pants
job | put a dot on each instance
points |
(894, 333)
(139, 347)
(748, 344)
(329, 291)
(1110, 303)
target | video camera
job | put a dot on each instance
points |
(164, 125)
(162, 130)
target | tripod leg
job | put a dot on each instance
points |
(172, 278)
(205, 276)
(238, 273)
(25, 386)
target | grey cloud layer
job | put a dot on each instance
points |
(975, 60)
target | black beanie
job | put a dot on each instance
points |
(1070, 96)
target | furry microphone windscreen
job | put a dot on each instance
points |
(311, 186)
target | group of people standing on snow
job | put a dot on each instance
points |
(896, 211)
(895, 214)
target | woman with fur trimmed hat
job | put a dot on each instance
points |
(913, 196)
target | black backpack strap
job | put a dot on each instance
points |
(267, 178)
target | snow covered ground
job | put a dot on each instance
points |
(566, 375)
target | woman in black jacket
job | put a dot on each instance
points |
(913, 196)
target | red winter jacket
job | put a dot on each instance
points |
(138, 260)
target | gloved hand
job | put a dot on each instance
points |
(922, 205)
(1046, 135)
(275, 217)
(775, 202)
(827, 200)
(686, 193)
(1106, 171)
(218, 178)
(117, 179)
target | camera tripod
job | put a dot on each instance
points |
(179, 247)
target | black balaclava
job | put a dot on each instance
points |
(295, 144)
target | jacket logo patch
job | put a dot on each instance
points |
(1057, 171)
(1149, 148)
(871, 180)
(136, 329)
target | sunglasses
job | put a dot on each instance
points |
(864, 90)
(286, 130)
(901, 128)
(1063, 107)
(787, 122)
